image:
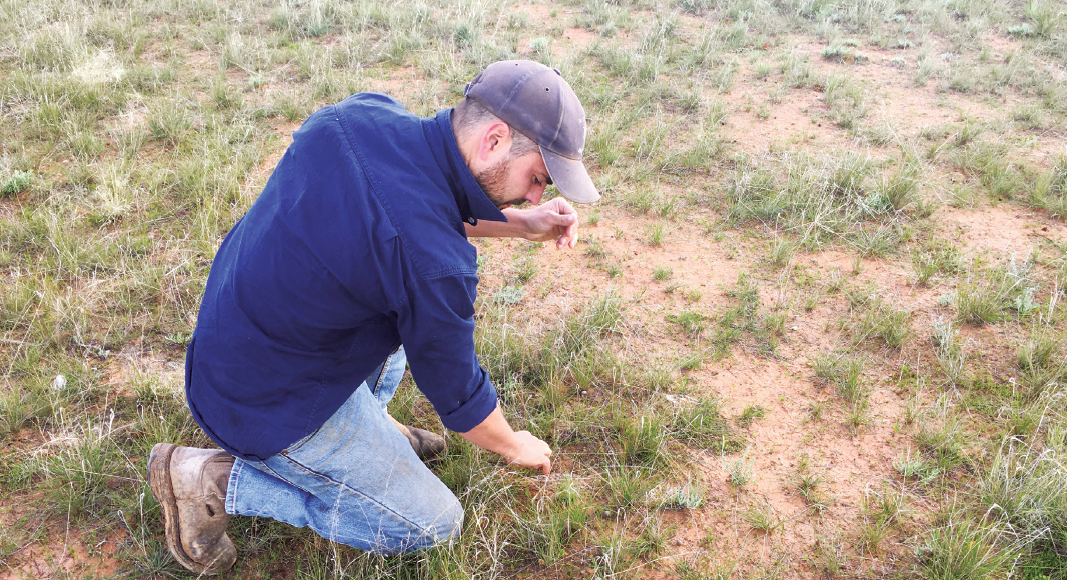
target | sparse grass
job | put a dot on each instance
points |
(750, 414)
(692, 323)
(136, 134)
(886, 323)
(998, 292)
(936, 259)
(762, 518)
(700, 424)
(740, 470)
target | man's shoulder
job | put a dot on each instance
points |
(373, 100)
(369, 109)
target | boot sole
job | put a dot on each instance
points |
(162, 489)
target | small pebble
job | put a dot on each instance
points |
(59, 383)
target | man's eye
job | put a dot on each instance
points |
(537, 181)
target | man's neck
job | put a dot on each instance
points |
(462, 140)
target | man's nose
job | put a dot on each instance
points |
(534, 197)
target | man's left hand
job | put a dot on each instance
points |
(552, 220)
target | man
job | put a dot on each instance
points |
(353, 261)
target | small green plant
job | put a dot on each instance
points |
(762, 518)
(750, 414)
(15, 183)
(857, 415)
(887, 505)
(692, 323)
(844, 373)
(654, 233)
(661, 273)
(809, 486)
(642, 439)
(936, 259)
(740, 471)
(628, 487)
(782, 252)
(701, 424)
(686, 497)
(886, 323)
(965, 548)
(871, 534)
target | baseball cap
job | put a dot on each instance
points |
(537, 102)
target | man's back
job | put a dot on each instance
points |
(355, 245)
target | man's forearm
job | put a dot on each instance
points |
(494, 434)
(520, 448)
(514, 228)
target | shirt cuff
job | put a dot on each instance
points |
(473, 411)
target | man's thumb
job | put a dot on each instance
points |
(566, 219)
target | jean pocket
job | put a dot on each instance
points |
(300, 442)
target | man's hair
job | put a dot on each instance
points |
(470, 114)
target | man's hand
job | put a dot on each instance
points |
(531, 452)
(518, 448)
(552, 220)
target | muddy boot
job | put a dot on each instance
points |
(427, 444)
(190, 485)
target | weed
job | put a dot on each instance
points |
(886, 323)
(782, 252)
(844, 373)
(627, 487)
(692, 323)
(916, 467)
(686, 497)
(1049, 190)
(661, 273)
(887, 505)
(642, 439)
(702, 424)
(830, 555)
(15, 183)
(654, 233)
(740, 471)
(871, 534)
(964, 548)
(750, 414)
(857, 415)
(809, 487)
(762, 518)
(937, 258)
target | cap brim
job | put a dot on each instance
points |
(570, 178)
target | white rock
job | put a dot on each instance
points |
(59, 383)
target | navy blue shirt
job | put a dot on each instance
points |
(355, 246)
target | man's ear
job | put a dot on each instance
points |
(496, 142)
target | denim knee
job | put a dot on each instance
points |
(446, 527)
(455, 516)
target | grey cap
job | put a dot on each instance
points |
(537, 102)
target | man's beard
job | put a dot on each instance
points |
(494, 181)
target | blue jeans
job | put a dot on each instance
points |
(356, 480)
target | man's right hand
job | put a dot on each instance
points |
(531, 452)
(518, 448)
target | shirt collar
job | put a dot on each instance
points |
(473, 204)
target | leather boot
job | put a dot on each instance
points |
(427, 444)
(190, 485)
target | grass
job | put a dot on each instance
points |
(133, 141)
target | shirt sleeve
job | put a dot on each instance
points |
(437, 328)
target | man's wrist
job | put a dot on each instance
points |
(517, 218)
